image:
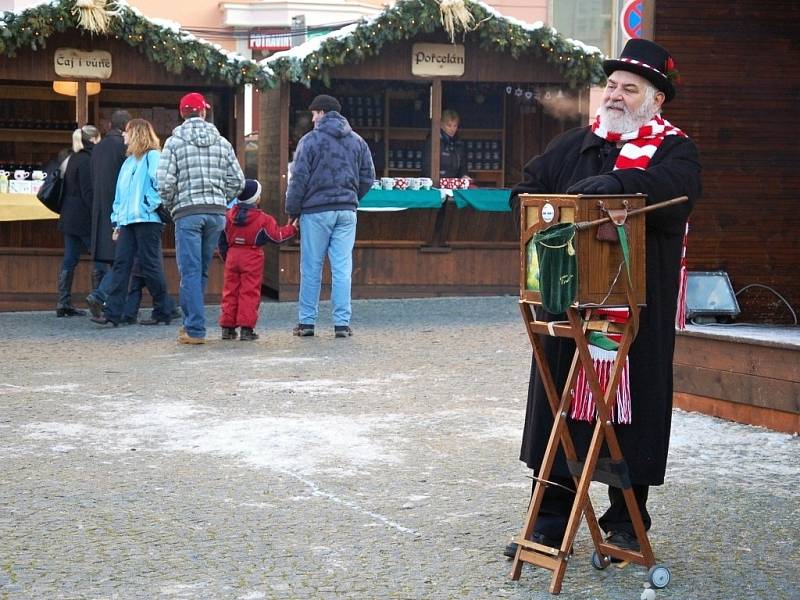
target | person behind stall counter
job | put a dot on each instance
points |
(452, 152)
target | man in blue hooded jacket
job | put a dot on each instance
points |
(332, 171)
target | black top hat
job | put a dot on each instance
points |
(325, 103)
(649, 60)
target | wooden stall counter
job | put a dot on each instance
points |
(32, 250)
(23, 207)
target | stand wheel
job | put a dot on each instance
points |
(600, 562)
(657, 576)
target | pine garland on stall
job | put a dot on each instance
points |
(580, 66)
(173, 48)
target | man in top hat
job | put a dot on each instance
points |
(198, 174)
(629, 148)
(331, 172)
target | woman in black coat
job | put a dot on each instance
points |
(76, 214)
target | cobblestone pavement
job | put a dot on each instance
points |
(380, 466)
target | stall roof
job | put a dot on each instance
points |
(581, 65)
(162, 41)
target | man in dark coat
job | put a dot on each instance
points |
(107, 160)
(629, 149)
(331, 172)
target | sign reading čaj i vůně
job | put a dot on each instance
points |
(437, 60)
(94, 64)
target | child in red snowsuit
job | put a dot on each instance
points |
(247, 229)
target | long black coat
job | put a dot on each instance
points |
(76, 203)
(673, 171)
(107, 160)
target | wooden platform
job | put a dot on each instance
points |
(409, 269)
(749, 374)
(29, 278)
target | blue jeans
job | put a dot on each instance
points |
(74, 245)
(196, 238)
(332, 233)
(103, 289)
(134, 299)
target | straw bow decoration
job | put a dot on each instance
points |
(455, 15)
(93, 15)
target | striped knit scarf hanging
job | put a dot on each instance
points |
(639, 148)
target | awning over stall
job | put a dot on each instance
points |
(579, 64)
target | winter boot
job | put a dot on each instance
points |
(248, 334)
(64, 307)
(229, 333)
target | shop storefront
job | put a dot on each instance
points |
(514, 88)
(55, 75)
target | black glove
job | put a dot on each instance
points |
(599, 184)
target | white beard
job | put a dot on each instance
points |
(625, 121)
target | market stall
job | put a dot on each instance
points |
(514, 86)
(58, 71)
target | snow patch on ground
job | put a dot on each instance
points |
(296, 443)
(744, 453)
(299, 444)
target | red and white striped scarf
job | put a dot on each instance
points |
(639, 148)
(640, 145)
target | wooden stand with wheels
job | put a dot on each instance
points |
(602, 281)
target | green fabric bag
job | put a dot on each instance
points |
(558, 266)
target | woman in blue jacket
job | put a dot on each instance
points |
(137, 227)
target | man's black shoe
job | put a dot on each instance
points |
(511, 549)
(70, 311)
(623, 540)
(342, 331)
(303, 330)
(104, 321)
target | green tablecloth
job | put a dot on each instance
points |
(488, 200)
(401, 199)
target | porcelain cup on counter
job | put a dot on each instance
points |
(425, 183)
(20, 174)
(38, 175)
(387, 183)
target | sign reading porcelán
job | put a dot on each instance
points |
(437, 60)
(94, 64)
